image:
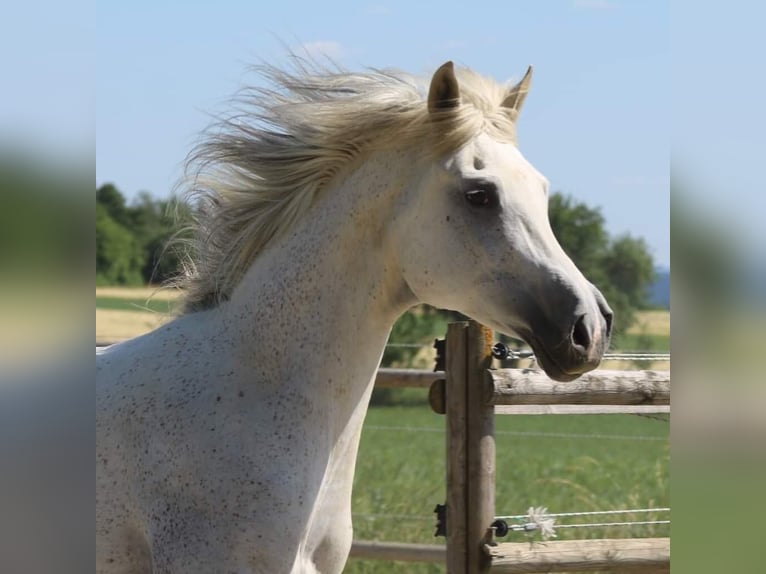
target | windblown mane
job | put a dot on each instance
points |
(260, 170)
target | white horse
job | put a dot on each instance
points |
(227, 439)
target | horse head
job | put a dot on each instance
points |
(475, 236)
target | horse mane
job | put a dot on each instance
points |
(258, 171)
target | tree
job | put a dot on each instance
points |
(580, 231)
(621, 268)
(630, 269)
(132, 240)
(118, 255)
(162, 260)
(155, 223)
(113, 201)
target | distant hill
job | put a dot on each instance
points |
(659, 291)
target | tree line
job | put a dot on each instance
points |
(131, 241)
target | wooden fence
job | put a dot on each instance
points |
(470, 394)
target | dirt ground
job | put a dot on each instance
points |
(157, 293)
(651, 323)
(113, 325)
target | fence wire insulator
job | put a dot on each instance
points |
(501, 528)
(503, 352)
(441, 354)
(441, 520)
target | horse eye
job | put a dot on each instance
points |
(481, 197)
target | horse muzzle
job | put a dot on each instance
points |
(572, 347)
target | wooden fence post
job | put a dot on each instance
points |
(470, 448)
(481, 449)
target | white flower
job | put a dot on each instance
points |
(544, 523)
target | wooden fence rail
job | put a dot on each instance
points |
(406, 378)
(373, 550)
(611, 555)
(533, 387)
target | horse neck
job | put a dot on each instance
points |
(320, 301)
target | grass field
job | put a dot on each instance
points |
(567, 463)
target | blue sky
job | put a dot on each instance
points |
(47, 96)
(595, 123)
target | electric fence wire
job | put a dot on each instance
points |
(588, 513)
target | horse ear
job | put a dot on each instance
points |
(515, 98)
(444, 92)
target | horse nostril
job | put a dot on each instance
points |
(580, 335)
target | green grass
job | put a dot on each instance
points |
(400, 474)
(121, 304)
